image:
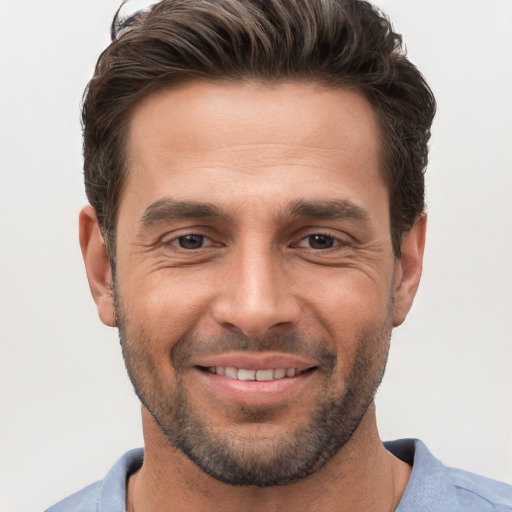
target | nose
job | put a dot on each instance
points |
(256, 295)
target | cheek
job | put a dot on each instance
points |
(352, 309)
(351, 298)
(166, 305)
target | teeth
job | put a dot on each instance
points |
(231, 372)
(251, 375)
(246, 375)
(280, 373)
(264, 375)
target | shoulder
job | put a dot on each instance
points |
(107, 495)
(85, 500)
(433, 487)
(471, 488)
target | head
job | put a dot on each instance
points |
(336, 43)
(256, 170)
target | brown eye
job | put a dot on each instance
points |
(320, 241)
(191, 241)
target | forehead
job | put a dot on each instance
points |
(265, 138)
(289, 112)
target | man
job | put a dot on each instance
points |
(256, 230)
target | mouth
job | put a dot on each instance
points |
(255, 380)
(262, 375)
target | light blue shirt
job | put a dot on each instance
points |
(432, 487)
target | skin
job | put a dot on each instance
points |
(253, 150)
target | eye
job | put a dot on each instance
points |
(318, 241)
(191, 242)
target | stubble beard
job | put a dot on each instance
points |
(240, 460)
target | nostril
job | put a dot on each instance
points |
(254, 313)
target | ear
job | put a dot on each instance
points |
(97, 265)
(408, 269)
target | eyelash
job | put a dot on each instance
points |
(336, 241)
(175, 242)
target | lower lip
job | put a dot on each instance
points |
(254, 392)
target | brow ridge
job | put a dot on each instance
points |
(333, 209)
(168, 208)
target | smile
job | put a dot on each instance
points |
(254, 380)
(255, 375)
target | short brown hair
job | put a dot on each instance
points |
(339, 43)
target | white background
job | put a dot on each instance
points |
(67, 410)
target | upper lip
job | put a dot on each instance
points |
(256, 361)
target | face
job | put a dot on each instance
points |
(256, 287)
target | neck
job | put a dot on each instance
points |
(363, 476)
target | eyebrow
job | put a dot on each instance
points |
(171, 209)
(337, 209)
(168, 208)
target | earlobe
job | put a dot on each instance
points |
(408, 269)
(97, 265)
